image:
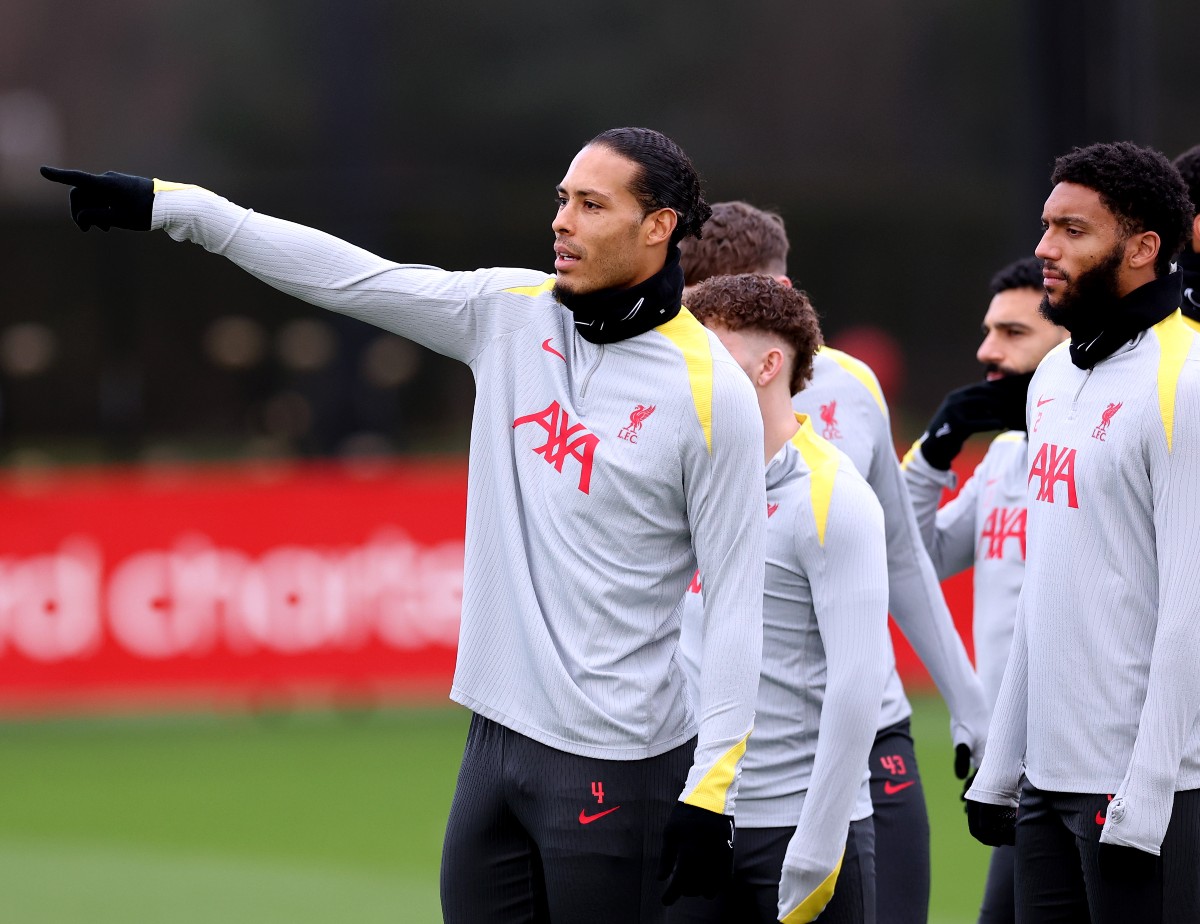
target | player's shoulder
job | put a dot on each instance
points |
(834, 491)
(831, 365)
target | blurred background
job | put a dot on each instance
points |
(907, 146)
(232, 544)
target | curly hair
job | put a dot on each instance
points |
(738, 238)
(1188, 165)
(1139, 186)
(755, 302)
(1025, 273)
(665, 178)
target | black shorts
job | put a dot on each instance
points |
(901, 829)
(1058, 869)
(537, 835)
(753, 897)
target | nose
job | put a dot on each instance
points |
(1046, 250)
(989, 352)
(563, 220)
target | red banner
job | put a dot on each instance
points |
(252, 584)
(249, 585)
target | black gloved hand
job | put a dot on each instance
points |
(962, 761)
(1126, 864)
(962, 769)
(994, 825)
(107, 200)
(995, 405)
(697, 853)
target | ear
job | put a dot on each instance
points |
(660, 225)
(1141, 250)
(783, 280)
(1196, 233)
(773, 363)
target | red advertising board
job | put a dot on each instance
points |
(264, 585)
(247, 584)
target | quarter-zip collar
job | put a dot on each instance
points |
(1104, 330)
(1189, 269)
(610, 315)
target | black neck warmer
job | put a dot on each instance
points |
(610, 315)
(1189, 269)
(1117, 321)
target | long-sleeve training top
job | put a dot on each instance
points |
(825, 660)
(982, 526)
(1102, 690)
(600, 477)
(847, 408)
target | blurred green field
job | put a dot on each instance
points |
(298, 818)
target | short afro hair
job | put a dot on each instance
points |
(1025, 273)
(1139, 186)
(738, 238)
(1188, 165)
(752, 301)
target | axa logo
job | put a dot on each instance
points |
(1054, 465)
(1106, 417)
(829, 418)
(564, 440)
(636, 418)
(1002, 524)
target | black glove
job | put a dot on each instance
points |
(994, 825)
(962, 769)
(697, 853)
(962, 761)
(107, 200)
(1126, 864)
(995, 405)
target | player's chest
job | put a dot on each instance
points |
(1085, 436)
(1001, 511)
(595, 423)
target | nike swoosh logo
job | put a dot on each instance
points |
(771, 508)
(1042, 401)
(1100, 819)
(891, 788)
(549, 349)
(586, 819)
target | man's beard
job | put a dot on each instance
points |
(1085, 300)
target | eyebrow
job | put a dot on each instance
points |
(1067, 220)
(1005, 325)
(583, 193)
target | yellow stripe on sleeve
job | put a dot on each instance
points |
(534, 291)
(713, 789)
(165, 186)
(1174, 341)
(822, 461)
(815, 903)
(908, 456)
(858, 369)
(690, 336)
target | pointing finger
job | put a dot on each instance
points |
(70, 177)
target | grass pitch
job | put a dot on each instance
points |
(297, 818)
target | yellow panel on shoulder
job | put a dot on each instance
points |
(533, 291)
(858, 369)
(1175, 342)
(822, 460)
(691, 337)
